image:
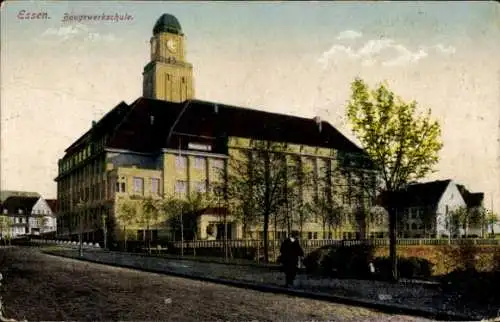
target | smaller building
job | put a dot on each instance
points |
(424, 210)
(23, 215)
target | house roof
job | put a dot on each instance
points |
(53, 204)
(416, 194)
(105, 125)
(4, 194)
(471, 199)
(12, 204)
(213, 120)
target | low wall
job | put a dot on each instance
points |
(447, 258)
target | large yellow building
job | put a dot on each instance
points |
(167, 142)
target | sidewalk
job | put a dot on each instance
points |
(417, 299)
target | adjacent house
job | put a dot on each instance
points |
(23, 215)
(43, 218)
(424, 209)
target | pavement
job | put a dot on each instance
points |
(416, 299)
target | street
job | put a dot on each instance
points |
(38, 287)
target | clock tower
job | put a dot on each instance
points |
(168, 76)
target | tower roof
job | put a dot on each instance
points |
(167, 23)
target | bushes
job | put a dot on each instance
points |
(408, 267)
(314, 261)
(340, 261)
(473, 286)
(353, 262)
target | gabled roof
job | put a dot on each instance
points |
(471, 199)
(13, 204)
(425, 194)
(53, 204)
(209, 119)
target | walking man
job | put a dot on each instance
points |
(290, 251)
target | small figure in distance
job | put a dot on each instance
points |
(291, 252)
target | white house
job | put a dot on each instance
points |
(42, 219)
(27, 215)
(423, 209)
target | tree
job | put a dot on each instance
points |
(240, 201)
(193, 203)
(149, 212)
(171, 208)
(403, 145)
(259, 178)
(126, 215)
(5, 227)
(491, 220)
(463, 217)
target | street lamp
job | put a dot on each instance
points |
(80, 206)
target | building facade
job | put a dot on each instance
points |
(22, 216)
(168, 144)
(424, 210)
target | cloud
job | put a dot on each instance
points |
(375, 46)
(384, 51)
(80, 31)
(66, 32)
(445, 50)
(348, 34)
(405, 56)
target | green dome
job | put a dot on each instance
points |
(167, 23)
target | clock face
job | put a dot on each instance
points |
(172, 45)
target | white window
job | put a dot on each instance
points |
(201, 186)
(218, 163)
(180, 162)
(138, 185)
(155, 186)
(199, 163)
(181, 186)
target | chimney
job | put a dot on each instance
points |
(216, 109)
(94, 123)
(318, 121)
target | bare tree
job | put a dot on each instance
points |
(258, 178)
(149, 213)
(126, 215)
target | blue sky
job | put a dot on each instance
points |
(296, 58)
